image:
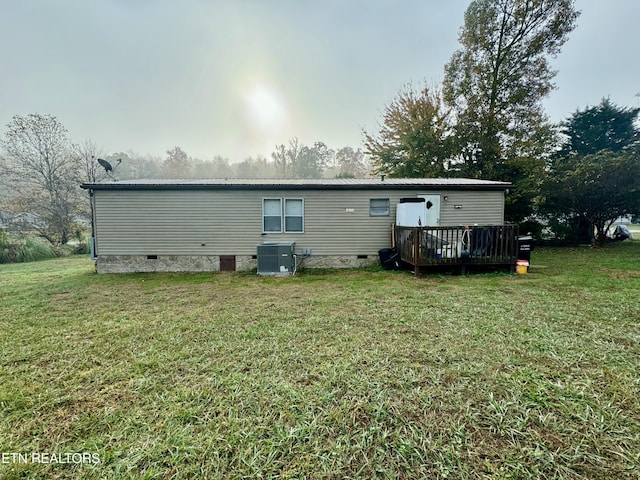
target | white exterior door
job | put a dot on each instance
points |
(432, 204)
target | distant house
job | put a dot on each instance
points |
(218, 224)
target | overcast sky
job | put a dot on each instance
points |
(236, 77)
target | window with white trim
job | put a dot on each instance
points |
(379, 207)
(271, 215)
(275, 210)
(294, 215)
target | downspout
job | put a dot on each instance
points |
(92, 243)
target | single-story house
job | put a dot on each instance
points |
(218, 224)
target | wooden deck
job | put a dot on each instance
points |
(490, 245)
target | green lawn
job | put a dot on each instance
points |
(348, 374)
(635, 230)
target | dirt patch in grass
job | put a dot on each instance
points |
(618, 274)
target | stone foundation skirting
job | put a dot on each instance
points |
(199, 263)
(161, 263)
(336, 261)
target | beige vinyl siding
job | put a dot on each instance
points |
(175, 222)
(478, 207)
(229, 222)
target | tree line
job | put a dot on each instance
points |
(293, 160)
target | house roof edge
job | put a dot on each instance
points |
(293, 184)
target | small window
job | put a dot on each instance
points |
(379, 207)
(272, 215)
(294, 215)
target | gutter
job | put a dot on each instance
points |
(269, 187)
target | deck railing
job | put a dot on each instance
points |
(472, 245)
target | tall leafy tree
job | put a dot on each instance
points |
(496, 82)
(595, 178)
(415, 136)
(177, 164)
(312, 161)
(351, 163)
(286, 157)
(40, 173)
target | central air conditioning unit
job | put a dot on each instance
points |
(276, 258)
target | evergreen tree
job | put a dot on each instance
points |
(595, 178)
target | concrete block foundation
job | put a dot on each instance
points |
(211, 263)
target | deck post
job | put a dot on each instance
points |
(416, 250)
(393, 235)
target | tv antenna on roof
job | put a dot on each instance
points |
(108, 168)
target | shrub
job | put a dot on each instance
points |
(36, 249)
(28, 250)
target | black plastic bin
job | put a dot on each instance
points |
(389, 259)
(525, 247)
